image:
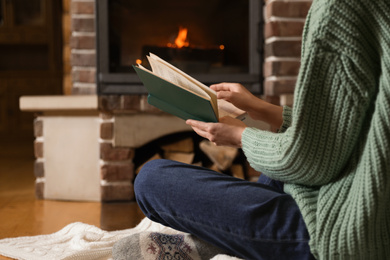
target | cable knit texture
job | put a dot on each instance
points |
(333, 149)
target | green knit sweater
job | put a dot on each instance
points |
(333, 150)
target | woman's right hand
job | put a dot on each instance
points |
(242, 98)
(236, 94)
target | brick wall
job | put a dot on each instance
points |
(82, 47)
(116, 164)
(284, 21)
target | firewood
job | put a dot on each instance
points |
(237, 171)
(214, 167)
(221, 156)
(180, 157)
(154, 157)
(200, 164)
(183, 146)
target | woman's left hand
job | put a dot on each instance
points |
(227, 132)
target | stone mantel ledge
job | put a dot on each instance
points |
(59, 103)
(112, 104)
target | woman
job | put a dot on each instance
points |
(331, 152)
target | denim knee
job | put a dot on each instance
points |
(150, 176)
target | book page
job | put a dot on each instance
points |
(169, 72)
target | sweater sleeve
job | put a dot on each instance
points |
(329, 108)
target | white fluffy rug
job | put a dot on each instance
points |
(77, 241)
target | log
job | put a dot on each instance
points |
(154, 157)
(215, 168)
(180, 157)
(221, 156)
(237, 171)
(184, 146)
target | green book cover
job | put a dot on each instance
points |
(174, 99)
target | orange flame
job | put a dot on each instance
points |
(181, 39)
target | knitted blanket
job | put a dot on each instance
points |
(78, 241)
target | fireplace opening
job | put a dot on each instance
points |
(188, 34)
(212, 40)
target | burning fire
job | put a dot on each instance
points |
(181, 39)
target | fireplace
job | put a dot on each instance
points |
(114, 142)
(220, 41)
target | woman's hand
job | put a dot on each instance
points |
(256, 108)
(236, 94)
(227, 132)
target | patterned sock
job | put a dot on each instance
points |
(154, 245)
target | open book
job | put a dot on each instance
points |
(177, 93)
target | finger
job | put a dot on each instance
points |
(197, 124)
(202, 133)
(201, 128)
(226, 95)
(221, 87)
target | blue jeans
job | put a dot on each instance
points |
(249, 220)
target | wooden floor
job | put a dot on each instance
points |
(22, 215)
